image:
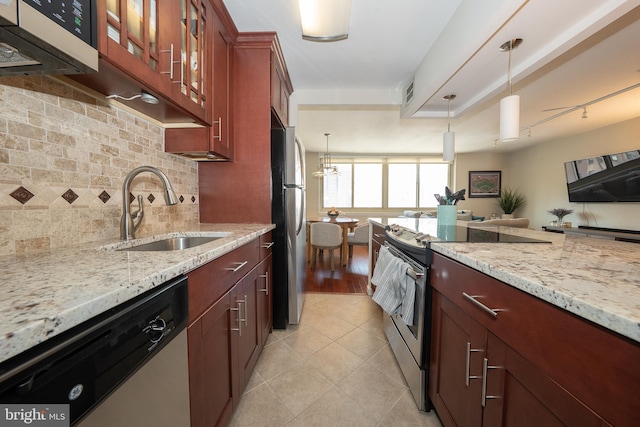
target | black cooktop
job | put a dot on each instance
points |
(414, 242)
(453, 233)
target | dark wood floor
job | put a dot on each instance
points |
(349, 279)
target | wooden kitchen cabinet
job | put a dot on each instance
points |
(229, 315)
(378, 237)
(214, 141)
(281, 88)
(265, 287)
(164, 48)
(534, 363)
(240, 191)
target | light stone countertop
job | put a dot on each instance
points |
(596, 279)
(43, 294)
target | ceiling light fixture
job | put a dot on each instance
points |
(144, 96)
(325, 167)
(325, 20)
(448, 138)
(584, 113)
(510, 105)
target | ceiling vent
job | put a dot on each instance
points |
(408, 92)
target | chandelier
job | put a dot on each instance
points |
(325, 167)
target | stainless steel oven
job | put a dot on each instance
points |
(409, 340)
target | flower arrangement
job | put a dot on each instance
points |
(560, 213)
(450, 198)
(333, 213)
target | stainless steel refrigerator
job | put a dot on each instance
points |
(289, 215)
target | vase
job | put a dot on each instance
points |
(447, 215)
(507, 216)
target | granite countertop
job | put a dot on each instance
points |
(46, 293)
(596, 279)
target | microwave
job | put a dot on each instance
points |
(48, 37)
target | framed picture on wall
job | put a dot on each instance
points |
(484, 183)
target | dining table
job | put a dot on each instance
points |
(347, 224)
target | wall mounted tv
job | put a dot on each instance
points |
(610, 178)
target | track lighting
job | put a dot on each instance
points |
(584, 113)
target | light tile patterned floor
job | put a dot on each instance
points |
(333, 369)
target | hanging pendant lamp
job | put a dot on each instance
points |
(510, 105)
(324, 166)
(448, 138)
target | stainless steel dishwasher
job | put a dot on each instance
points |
(127, 366)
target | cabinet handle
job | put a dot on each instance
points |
(467, 373)
(240, 318)
(246, 312)
(219, 136)
(239, 328)
(267, 245)
(485, 368)
(240, 265)
(375, 256)
(266, 285)
(379, 235)
(171, 62)
(493, 312)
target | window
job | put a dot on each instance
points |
(381, 183)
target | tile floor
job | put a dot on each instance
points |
(333, 369)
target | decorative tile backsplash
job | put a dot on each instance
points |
(63, 158)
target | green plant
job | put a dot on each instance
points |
(510, 200)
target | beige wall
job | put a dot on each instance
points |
(537, 172)
(54, 138)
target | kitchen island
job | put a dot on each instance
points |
(596, 279)
(47, 293)
(550, 329)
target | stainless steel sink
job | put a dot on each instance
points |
(173, 243)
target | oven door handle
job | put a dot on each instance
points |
(414, 274)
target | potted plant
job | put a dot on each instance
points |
(509, 201)
(560, 213)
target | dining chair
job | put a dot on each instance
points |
(359, 236)
(325, 236)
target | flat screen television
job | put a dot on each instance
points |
(609, 178)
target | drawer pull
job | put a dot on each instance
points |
(240, 265)
(266, 284)
(239, 328)
(485, 368)
(379, 235)
(467, 375)
(240, 318)
(493, 312)
(267, 245)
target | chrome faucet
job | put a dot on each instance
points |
(128, 226)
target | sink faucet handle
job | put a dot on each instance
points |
(138, 215)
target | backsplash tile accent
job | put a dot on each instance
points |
(69, 196)
(57, 140)
(21, 194)
(104, 196)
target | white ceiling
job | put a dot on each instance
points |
(574, 52)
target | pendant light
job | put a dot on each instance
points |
(510, 105)
(448, 138)
(325, 167)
